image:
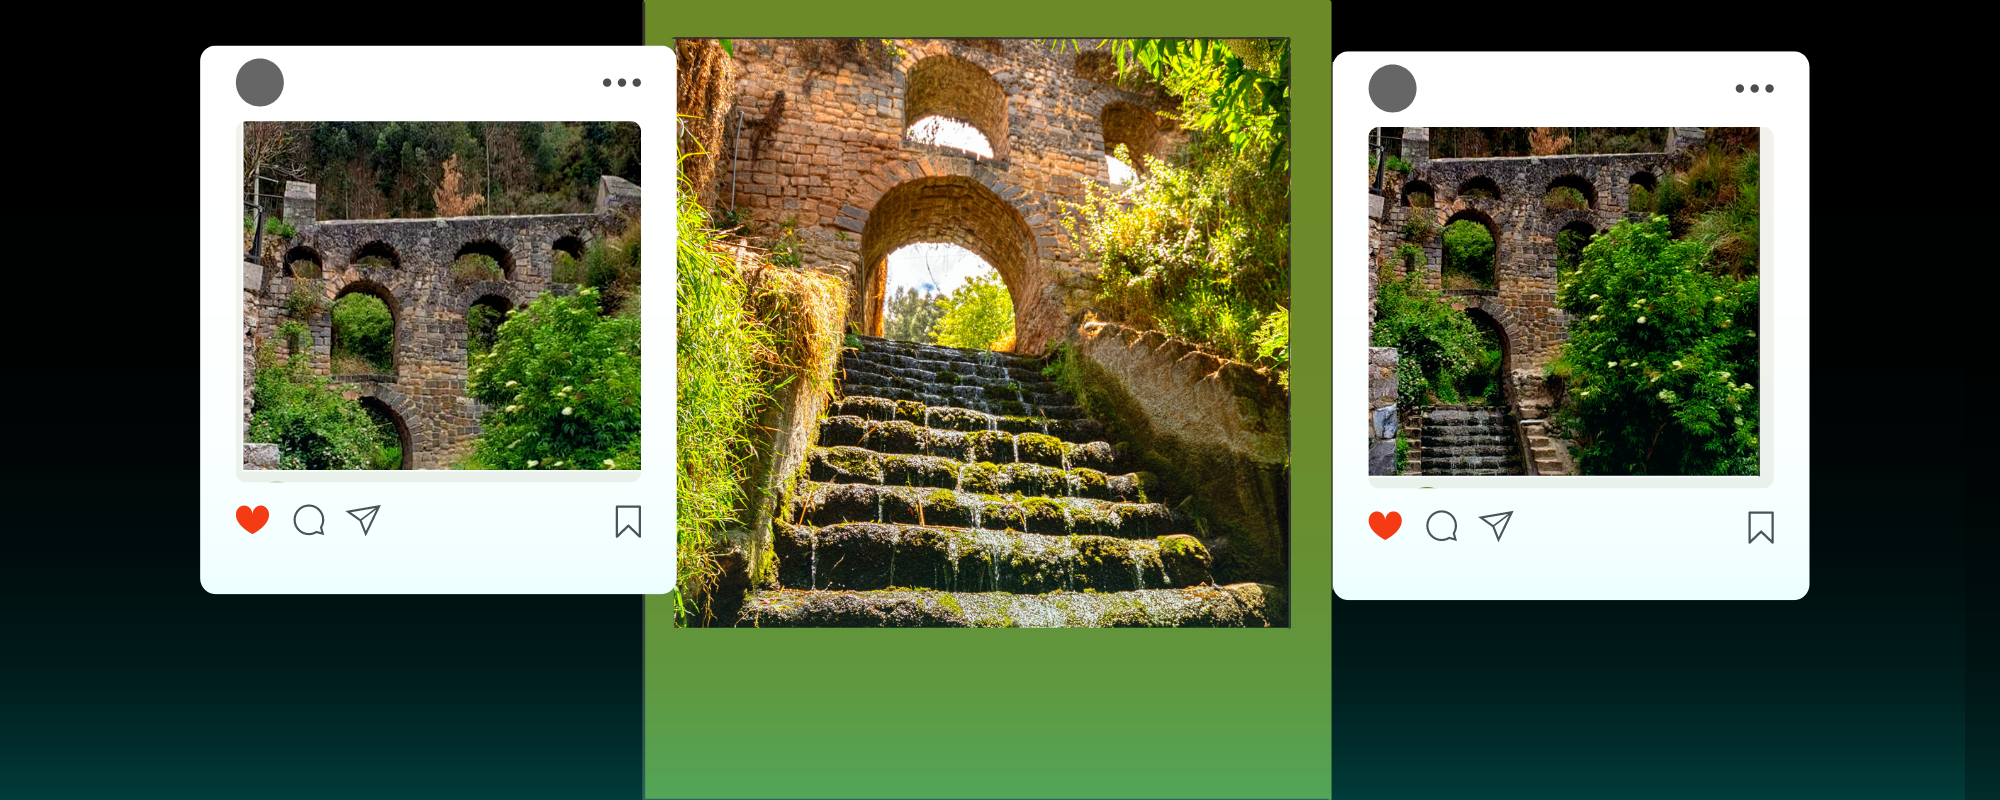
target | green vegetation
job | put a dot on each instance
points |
(1236, 89)
(482, 328)
(312, 424)
(1569, 248)
(1422, 224)
(1396, 164)
(1274, 344)
(1200, 251)
(562, 385)
(567, 269)
(273, 226)
(910, 315)
(1496, 142)
(978, 314)
(1642, 199)
(1468, 255)
(1661, 365)
(1715, 202)
(379, 170)
(473, 267)
(1436, 346)
(364, 335)
(1565, 198)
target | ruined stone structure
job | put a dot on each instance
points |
(819, 135)
(425, 390)
(1522, 304)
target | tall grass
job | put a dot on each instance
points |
(718, 389)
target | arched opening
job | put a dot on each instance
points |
(1479, 187)
(1642, 185)
(482, 322)
(376, 254)
(953, 133)
(1417, 194)
(568, 260)
(303, 262)
(392, 448)
(482, 260)
(1471, 251)
(1133, 128)
(1570, 193)
(957, 211)
(1486, 383)
(941, 293)
(364, 317)
(956, 89)
(1569, 246)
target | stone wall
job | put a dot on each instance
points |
(822, 142)
(1219, 428)
(1382, 420)
(425, 390)
(1522, 304)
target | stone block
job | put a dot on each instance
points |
(1382, 422)
(1382, 458)
(260, 456)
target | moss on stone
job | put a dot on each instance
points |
(949, 602)
(1040, 448)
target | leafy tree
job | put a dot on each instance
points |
(1239, 89)
(910, 315)
(562, 386)
(363, 329)
(1661, 365)
(978, 314)
(1436, 345)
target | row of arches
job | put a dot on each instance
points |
(952, 102)
(380, 254)
(380, 357)
(1420, 193)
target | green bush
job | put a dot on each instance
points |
(273, 226)
(1201, 251)
(473, 267)
(1421, 224)
(1436, 346)
(1569, 248)
(611, 266)
(1565, 198)
(562, 386)
(482, 328)
(1642, 199)
(363, 329)
(978, 314)
(1661, 365)
(567, 269)
(1274, 344)
(1468, 255)
(304, 300)
(312, 424)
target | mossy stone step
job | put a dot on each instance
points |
(999, 447)
(990, 392)
(868, 556)
(863, 466)
(1240, 605)
(939, 371)
(1081, 430)
(823, 504)
(970, 402)
(938, 352)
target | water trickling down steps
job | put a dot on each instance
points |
(955, 487)
(1469, 440)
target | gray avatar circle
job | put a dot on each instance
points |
(260, 82)
(1392, 88)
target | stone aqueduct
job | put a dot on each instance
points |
(1522, 304)
(822, 141)
(425, 389)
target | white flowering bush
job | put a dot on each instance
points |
(1661, 358)
(562, 383)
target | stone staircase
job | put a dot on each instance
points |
(1469, 440)
(959, 488)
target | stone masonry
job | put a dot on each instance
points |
(425, 391)
(1523, 303)
(818, 132)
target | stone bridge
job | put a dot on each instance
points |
(424, 391)
(823, 140)
(1507, 196)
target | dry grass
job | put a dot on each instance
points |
(807, 313)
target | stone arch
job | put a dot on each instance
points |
(1416, 187)
(376, 247)
(1481, 217)
(499, 303)
(1643, 178)
(568, 243)
(402, 426)
(1578, 225)
(959, 210)
(388, 298)
(302, 253)
(949, 86)
(1489, 314)
(1574, 181)
(1479, 183)
(1132, 126)
(491, 249)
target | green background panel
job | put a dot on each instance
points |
(1032, 713)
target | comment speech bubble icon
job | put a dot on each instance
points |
(1449, 527)
(317, 520)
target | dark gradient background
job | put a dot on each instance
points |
(120, 677)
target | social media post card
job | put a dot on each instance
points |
(423, 321)
(1003, 321)
(1581, 350)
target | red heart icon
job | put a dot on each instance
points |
(252, 520)
(1385, 527)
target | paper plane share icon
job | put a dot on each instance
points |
(1498, 522)
(365, 516)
